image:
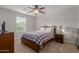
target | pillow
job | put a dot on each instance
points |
(50, 29)
(47, 29)
(42, 29)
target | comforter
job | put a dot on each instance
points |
(38, 37)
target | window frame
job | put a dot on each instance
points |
(24, 26)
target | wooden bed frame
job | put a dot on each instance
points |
(33, 45)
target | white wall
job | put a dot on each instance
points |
(67, 18)
(78, 18)
(10, 19)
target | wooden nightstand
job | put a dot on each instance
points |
(59, 38)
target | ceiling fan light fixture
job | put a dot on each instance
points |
(36, 11)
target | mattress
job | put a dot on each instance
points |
(38, 37)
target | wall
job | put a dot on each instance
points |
(78, 18)
(68, 18)
(59, 18)
(10, 19)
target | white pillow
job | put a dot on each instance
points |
(50, 29)
(42, 29)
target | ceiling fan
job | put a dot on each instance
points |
(36, 9)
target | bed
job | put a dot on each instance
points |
(38, 39)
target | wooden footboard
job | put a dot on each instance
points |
(32, 44)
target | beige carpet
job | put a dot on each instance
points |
(51, 47)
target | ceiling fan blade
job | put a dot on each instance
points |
(42, 12)
(29, 11)
(42, 8)
(24, 9)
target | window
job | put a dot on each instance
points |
(20, 24)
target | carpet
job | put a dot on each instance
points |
(51, 47)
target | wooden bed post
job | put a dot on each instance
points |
(54, 30)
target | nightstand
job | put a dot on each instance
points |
(59, 38)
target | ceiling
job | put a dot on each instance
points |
(48, 8)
